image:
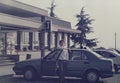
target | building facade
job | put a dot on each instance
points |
(27, 28)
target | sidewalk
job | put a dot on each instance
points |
(6, 70)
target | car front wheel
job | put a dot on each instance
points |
(30, 74)
(91, 76)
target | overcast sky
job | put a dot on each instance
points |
(105, 12)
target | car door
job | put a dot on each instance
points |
(77, 64)
(49, 63)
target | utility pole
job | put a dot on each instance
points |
(115, 40)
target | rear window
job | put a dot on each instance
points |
(106, 54)
(96, 54)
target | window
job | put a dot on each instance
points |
(83, 57)
(25, 38)
(111, 55)
(103, 54)
(53, 55)
(78, 55)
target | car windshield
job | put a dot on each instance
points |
(115, 53)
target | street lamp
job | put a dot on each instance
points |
(115, 40)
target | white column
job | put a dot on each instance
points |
(65, 39)
(46, 39)
(35, 40)
(52, 40)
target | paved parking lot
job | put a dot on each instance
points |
(19, 79)
(11, 79)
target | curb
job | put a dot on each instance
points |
(4, 76)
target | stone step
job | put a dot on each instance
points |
(6, 64)
(4, 58)
(6, 61)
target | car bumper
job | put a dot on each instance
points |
(18, 71)
(106, 74)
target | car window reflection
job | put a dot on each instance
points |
(77, 55)
(53, 55)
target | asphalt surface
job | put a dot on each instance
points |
(6, 76)
(11, 79)
(20, 79)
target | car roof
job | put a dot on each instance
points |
(78, 49)
(100, 50)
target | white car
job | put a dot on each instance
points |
(112, 55)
